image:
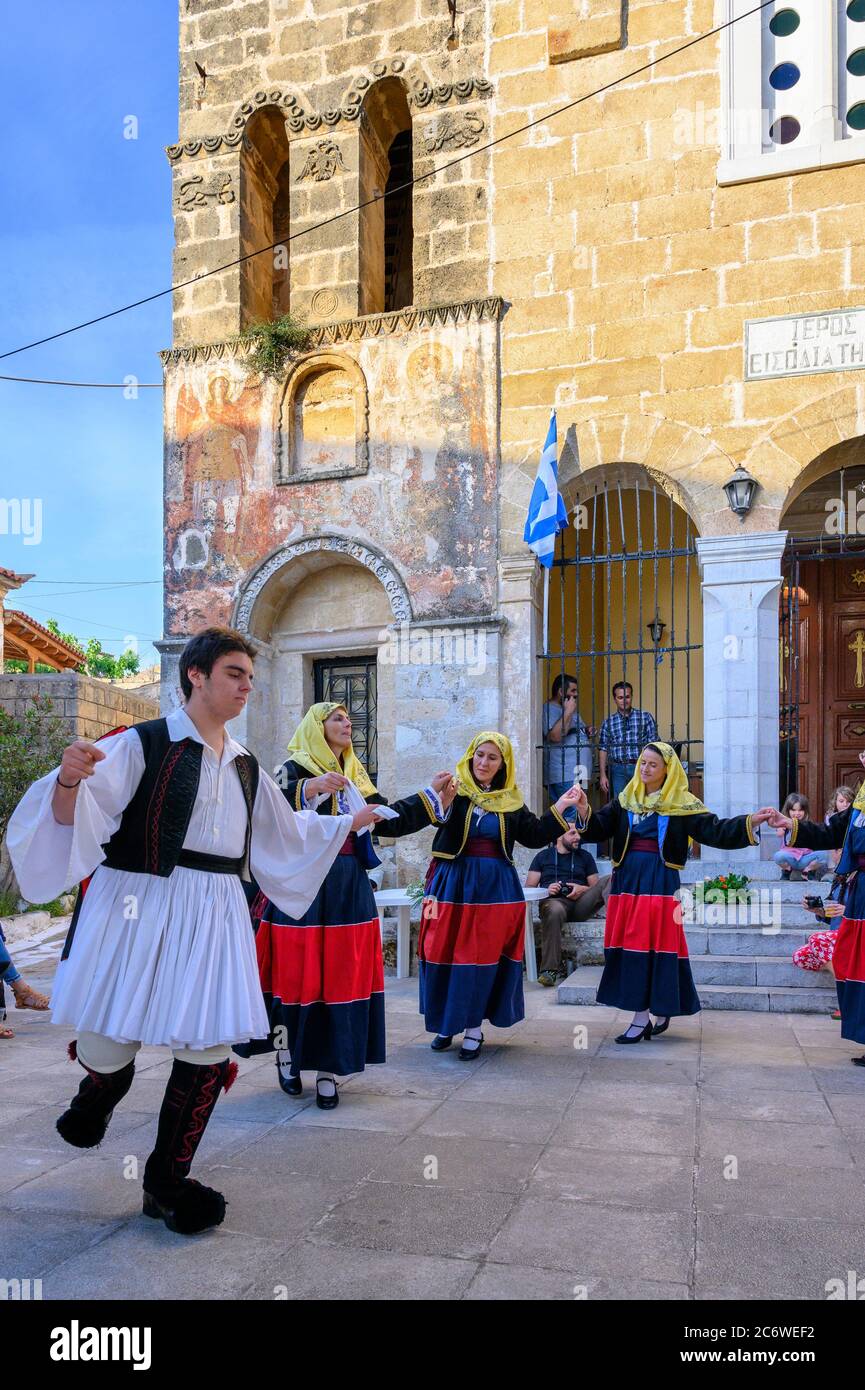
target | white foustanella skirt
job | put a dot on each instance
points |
(162, 961)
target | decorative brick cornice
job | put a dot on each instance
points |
(420, 91)
(351, 330)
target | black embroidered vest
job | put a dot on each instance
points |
(154, 825)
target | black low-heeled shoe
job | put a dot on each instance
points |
(659, 1028)
(858, 1061)
(326, 1102)
(441, 1043)
(468, 1054)
(292, 1085)
(645, 1034)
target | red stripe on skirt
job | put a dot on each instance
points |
(848, 962)
(301, 965)
(648, 922)
(471, 934)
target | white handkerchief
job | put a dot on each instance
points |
(356, 803)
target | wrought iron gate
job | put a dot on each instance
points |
(352, 683)
(623, 609)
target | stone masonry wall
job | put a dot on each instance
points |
(90, 707)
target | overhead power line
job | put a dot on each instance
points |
(348, 212)
(101, 385)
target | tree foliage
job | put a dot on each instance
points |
(30, 745)
(275, 342)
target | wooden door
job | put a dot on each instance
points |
(843, 602)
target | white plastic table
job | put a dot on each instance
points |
(398, 898)
(533, 895)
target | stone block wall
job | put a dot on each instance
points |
(307, 89)
(90, 707)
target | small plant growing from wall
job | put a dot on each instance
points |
(275, 342)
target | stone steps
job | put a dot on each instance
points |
(581, 986)
(770, 972)
(763, 873)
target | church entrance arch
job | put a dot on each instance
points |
(822, 629)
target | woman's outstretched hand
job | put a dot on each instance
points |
(328, 782)
(366, 817)
(576, 797)
(778, 821)
(765, 813)
(440, 781)
(447, 788)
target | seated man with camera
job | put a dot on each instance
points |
(576, 892)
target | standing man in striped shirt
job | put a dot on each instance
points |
(623, 737)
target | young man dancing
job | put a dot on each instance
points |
(166, 817)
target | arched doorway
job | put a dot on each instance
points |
(822, 628)
(625, 605)
(320, 610)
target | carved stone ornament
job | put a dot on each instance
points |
(371, 559)
(322, 162)
(455, 132)
(195, 191)
(352, 330)
(420, 91)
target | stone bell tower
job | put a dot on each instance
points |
(346, 510)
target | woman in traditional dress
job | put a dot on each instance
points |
(470, 950)
(322, 974)
(845, 831)
(650, 822)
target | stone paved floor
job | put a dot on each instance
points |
(562, 1171)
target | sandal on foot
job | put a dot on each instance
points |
(30, 998)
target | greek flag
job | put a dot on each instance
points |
(547, 514)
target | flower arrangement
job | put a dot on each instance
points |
(725, 887)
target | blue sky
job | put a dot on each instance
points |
(86, 227)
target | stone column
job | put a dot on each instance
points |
(741, 583)
(520, 606)
(169, 690)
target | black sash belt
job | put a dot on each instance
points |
(210, 863)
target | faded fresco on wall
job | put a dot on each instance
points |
(427, 500)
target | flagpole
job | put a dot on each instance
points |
(546, 610)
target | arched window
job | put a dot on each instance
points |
(385, 249)
(323, 421)
(264, 217)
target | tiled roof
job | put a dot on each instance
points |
(52, 650)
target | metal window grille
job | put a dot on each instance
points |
(353, 683)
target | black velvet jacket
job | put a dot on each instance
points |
(808, 834)
(612, 822)
(515, 827)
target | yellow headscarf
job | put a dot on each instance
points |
(309, 747)
(507, 798)
(859, 803)
(671, 799)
